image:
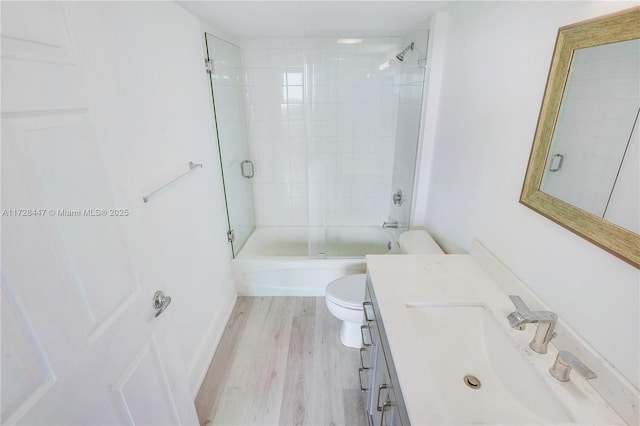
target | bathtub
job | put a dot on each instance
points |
(275, 260)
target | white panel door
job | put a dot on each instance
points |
(80, 340)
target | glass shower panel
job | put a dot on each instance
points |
(231, 126)
(320, 69)
(410, 88)
(351, 101)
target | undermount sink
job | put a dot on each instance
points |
(480, 374)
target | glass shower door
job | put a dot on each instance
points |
(351, 102)
(233, 146)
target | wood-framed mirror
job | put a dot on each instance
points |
(583, 168)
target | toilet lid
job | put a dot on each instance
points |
(347, 291)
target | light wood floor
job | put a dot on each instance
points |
(280, 362)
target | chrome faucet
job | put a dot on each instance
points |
(565, 361)
(546, 323)
(390, 224)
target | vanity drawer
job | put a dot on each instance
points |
(382, 396)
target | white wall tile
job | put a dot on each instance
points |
(297, 129)
(256, 58)
(277, 57)
(323, 138)
(296, 113)
(295, 75)
(295, 94)
(295, 57)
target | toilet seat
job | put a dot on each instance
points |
(348, 291)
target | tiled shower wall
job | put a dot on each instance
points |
(322, 129)
(277, 132)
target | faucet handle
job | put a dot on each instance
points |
(565, 361)
(522, 312)
(520, 305)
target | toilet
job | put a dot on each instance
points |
(344, 298)
(345, 295)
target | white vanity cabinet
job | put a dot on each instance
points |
(378, 380)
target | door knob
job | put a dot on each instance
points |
(160, 302)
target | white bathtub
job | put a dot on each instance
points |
(275, 260)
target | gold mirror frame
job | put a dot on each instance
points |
(615, 27)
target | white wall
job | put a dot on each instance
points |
(154, 82)
(496, 60)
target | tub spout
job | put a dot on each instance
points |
(390, 224)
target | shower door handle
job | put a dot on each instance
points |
(556, 163)
(246, 168)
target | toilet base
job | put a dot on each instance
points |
(350, 334)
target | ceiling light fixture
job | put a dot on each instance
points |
(349, 40)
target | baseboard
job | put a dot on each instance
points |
(207, 350)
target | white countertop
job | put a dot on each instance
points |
(458, 279)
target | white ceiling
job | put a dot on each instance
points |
(262, 19)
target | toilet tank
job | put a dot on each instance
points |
(418, 241)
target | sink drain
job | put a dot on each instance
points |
(472, 382)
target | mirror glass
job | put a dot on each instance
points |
(594, 158)
(583, 172)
